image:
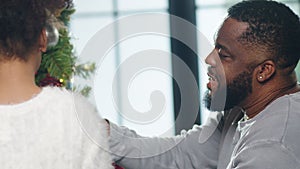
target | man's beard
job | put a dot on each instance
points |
(237, 90)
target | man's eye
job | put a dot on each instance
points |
(223, 56)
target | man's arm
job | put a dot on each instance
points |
(197, 148)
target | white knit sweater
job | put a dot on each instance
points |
(55, 129)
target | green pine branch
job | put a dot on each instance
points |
(59, 61)
(85, 70)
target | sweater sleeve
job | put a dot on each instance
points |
(196, 148)
(94, 135)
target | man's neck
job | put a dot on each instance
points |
(265, 95)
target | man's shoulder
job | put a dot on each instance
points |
(277, 124)
(276, 120)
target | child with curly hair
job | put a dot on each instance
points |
(45, 127)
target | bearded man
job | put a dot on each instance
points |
(252, 80)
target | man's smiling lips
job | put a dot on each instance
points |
(212, 84)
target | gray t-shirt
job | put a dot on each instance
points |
(270, 140)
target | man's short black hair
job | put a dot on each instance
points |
(273, 28)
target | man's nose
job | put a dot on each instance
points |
(211, 59)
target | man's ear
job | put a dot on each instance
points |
(265, 71)
(43, 41)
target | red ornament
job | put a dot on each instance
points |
(50, 81)
(117, 167)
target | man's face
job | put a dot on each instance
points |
(230, 68)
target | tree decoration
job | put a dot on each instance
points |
(58, 64)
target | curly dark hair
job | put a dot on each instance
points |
(273, 28)
(21, 23)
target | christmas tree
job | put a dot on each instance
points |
(58, 64)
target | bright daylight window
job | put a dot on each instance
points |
(96, 15)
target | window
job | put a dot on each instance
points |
(88, 24)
